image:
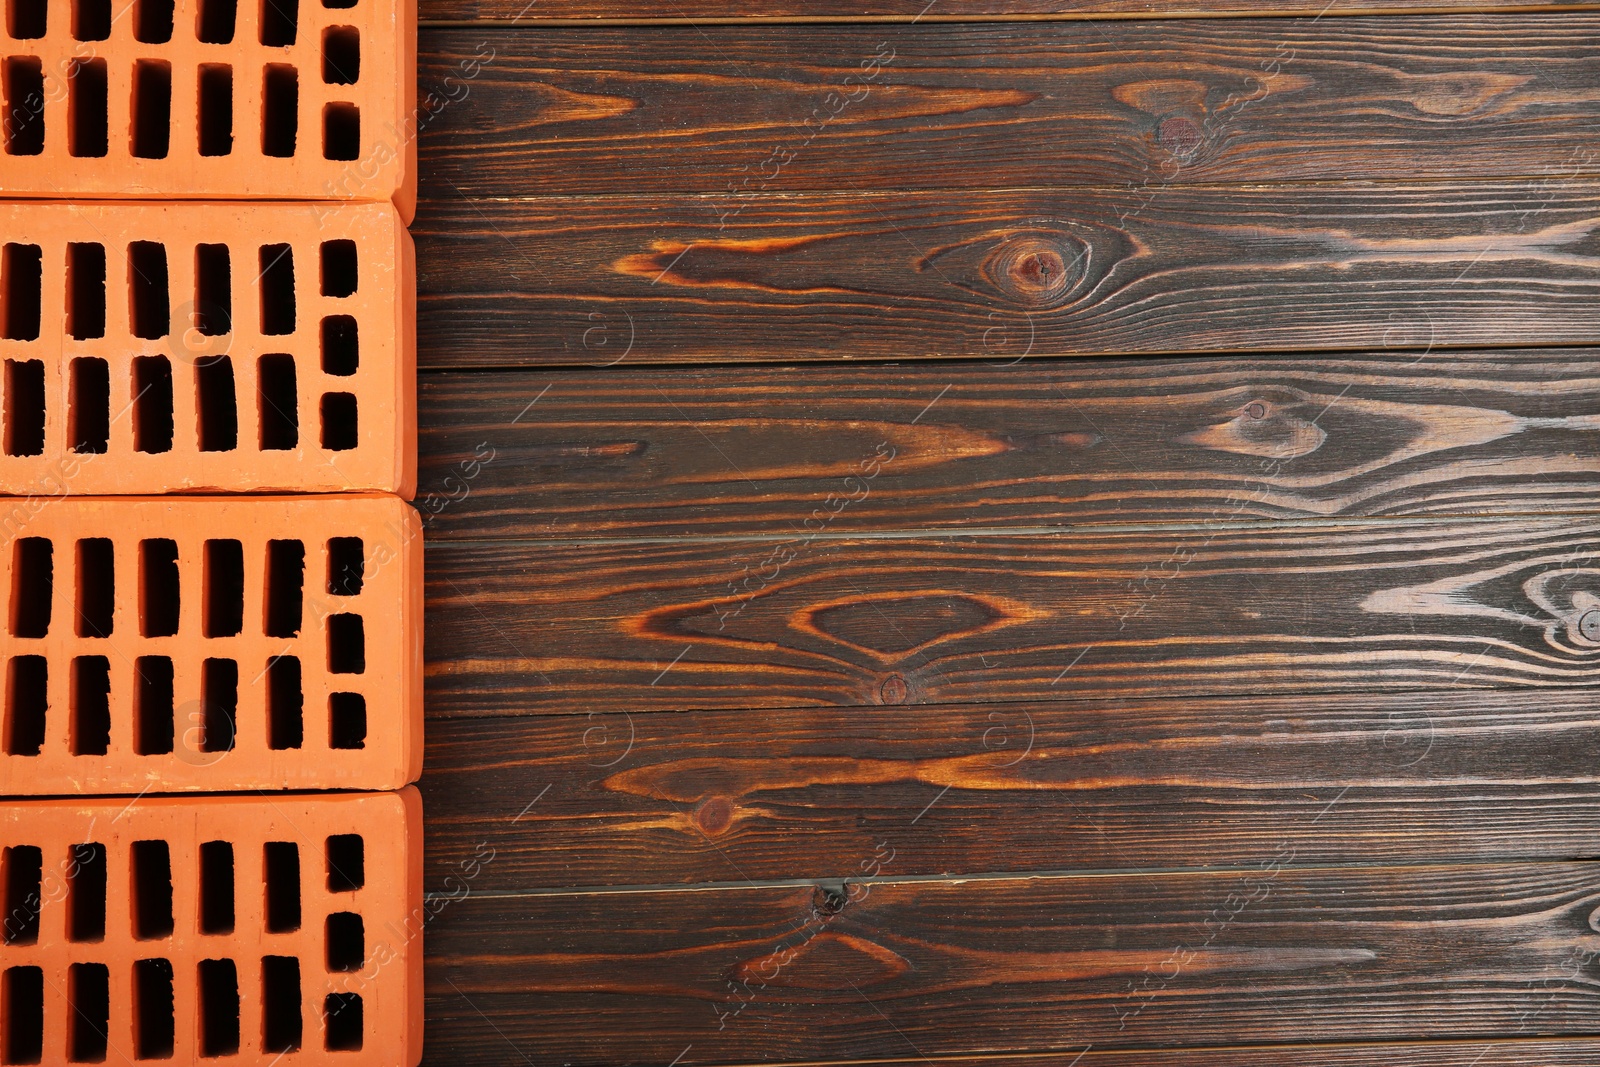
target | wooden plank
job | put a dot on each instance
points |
(1000, 276)
(1265, 955)
(634, 452)
(748, 111)
(667, 798)
(529, 627)
(704, 11)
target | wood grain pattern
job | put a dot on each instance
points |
(745, 112)
(698, 797)
(527, 627)
(634, 452)
(902, 10)
(1000, 276)
(885, 968)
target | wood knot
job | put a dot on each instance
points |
(1037, 269)
(829, 899)
(1589, 626)
(893, 690)
(1180, 136)
(714, 815)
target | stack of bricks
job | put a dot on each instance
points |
(212, 650)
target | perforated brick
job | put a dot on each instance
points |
(294, 99)
(154, 348)
(237, 930)
(210, 643)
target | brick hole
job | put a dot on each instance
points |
(279, 19)
(338, 5)
(347, 863)
(342, 1021)
(280, 110)
(89, 711)
(153, 706)
(26, 19)
(219, 1008)
(280, 1004)
(91, 20)
(224, 588)
(281, 871)
(32, 586)
(286, 575)
(285, 703)
(89, 1009)
(216, 887)
(339, 272)
(97, 587)
(23, 875)
(347, 721)
(27, 698)
(339, 424)
(89, 405)
(152, 1009)
(346, 566)
(152, 404)
(24, 407)
(341, 55)
(88, 109)
(341, 347)
(341, 131)
(218, 404)
(215, 107)
(277, 290)
(86, 290)
(24, 92)
(149, 303)
(22, 268)
(213, 290)
(86, 893)
(219, 683)
(152, 108)
(152, 21)
(23, 1014)
(279, 401)
(159, 593)
(217, 21)
(152, 890)
(347, 644)
(346, 941)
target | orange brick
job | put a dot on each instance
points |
(178, 644)
(153, 348)
(180, 929)
(290, 100)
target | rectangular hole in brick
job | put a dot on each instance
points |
(24, 407)
(342, 1021)
(97, 586)
(213, 290)
(152, 404)
(339, 425)
(216, 887)
(32, 586)
(286, 576)
(278, 22)
(347, 863)
(86, 290)
(89, 406)
(89, 718)
(152, 1009)
(27, 699)
(219, 1008)
(159, 595)
(339, 268)
(152, 890)
(347, 720)
(152, 21)
(23, 269)
(24, 1014)
(346, 941)
(277, 290)
(341, 348)
(88, 122)
(89, 1011)
(150, 307)
(341, 55)
(279, 403)
(86, 893)
(280, 1004)
(24, 92)
(224, 580)
(219, 710)
(153, 724)
(216, 109)
(217, 21)
(280, 110)
(347, 644)
(285, 703)
(91, 20)
(341, 131)
(281, 864)
(26, 19)
(24, 869)
(152, 108)
(346, 566)
(218, 402)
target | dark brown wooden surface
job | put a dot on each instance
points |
(711, 11)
